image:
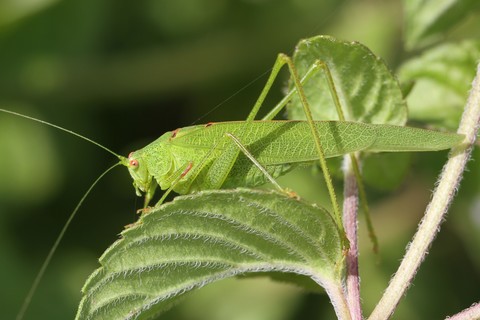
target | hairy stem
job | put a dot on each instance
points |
(339, 300)
(436, 210)
(350, 215)
(470, 313)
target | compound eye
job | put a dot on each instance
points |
(133, 163)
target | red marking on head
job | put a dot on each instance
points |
(130, 154)
(209, 124)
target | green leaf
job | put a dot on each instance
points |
(442, 77)
(205, 237)
(367, 90)
(427, 21)
(386, 171)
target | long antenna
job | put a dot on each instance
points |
(45, 264)
(52, 251)
(62, 129)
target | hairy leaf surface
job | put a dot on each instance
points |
(198, 239)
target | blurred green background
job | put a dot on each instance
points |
(124, 72)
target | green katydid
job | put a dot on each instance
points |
(277, 145)
(250, 153)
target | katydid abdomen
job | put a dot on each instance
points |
(277, 145)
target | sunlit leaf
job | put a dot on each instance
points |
(442, 78)
(426, 21)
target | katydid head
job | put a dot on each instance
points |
(142, 179)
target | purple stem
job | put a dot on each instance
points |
(350, 213)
